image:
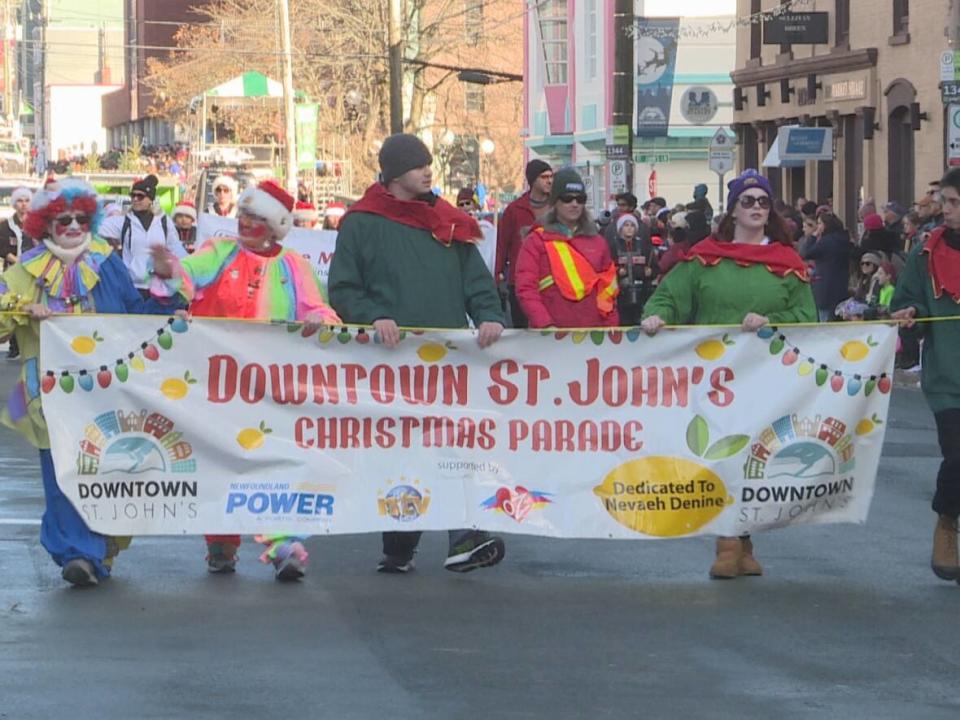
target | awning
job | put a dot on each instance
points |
(248, 85)
(796, 145)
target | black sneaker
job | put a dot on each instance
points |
(221, 558)
(80, 573)
(477, 551)
(395, 564)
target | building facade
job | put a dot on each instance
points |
(569, 103)
(149, 28)
(872, 77)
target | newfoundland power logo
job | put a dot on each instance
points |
(799, 465)
(133, 443)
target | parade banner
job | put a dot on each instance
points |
(317, 246)
(167, 426)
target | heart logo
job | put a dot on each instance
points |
(515, 503)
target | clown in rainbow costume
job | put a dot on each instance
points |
(71, 272)
(251, 276)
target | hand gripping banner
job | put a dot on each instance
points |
(164, 426)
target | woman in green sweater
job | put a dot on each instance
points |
(747, 275)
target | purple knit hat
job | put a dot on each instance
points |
(748, 179)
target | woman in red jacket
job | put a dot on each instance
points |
(565, 276)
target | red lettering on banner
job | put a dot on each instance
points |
(455, 385)
(383, 387)
(503, 392)
(353, 373)
(253, 383)
(287, 391)
(221, 378)
(586, 395)
(301, 428)
(721, 396)
(535, 373)
(415, 385)
(325, 384)
(676, 386)
(518, 431)
(616, 386)
(631, 429)
(487, 439)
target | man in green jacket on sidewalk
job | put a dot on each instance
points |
(929, 287)
(407, 258)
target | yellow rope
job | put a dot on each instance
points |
(717, 326)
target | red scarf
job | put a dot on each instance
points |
(443, 220)
(944, 265)
(780, 259)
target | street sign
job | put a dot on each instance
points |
(953, 136)
(652, 159)
(949, 92)
(722, 151)
(949, 66)
(618, 176)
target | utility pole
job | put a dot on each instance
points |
(395, 60)
(623, 75)
(290, 144)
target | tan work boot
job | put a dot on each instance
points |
(727, 564)
(748, 563)
(945, 562)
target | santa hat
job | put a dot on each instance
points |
(271, 202)
(21, 193)
(186, 208)
(305, 212)
(335, 209)
(227, 182)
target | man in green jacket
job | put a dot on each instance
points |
(407, 258)
(929, 287)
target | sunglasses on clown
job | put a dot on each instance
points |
(66, 219)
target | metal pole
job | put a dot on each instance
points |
(290, 145)
(623, 76)
(720, 178)
(396, 66)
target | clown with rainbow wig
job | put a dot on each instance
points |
(70, 272)
(251, 276)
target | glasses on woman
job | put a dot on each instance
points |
(65, 220)
(748, 201)
(579, 199)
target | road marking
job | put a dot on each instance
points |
(22, 521)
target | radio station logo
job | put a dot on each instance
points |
(517, 503)
(403, 502)
(133, 443)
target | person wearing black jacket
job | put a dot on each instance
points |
(632, 252)
(831, 256)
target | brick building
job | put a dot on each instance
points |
(874, 80)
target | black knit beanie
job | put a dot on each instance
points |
(400, 154)
(535, 168)
(147, 185)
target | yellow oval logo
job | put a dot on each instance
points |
(663, 496)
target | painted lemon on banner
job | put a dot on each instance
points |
(252, 438)
(432, 352)
(177, 388)
(663, 496)
(867, 425)
(857, 350)
(711, 350)
(85, 344)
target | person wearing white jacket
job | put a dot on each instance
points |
(133, 234)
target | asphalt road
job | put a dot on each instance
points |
(848, 622)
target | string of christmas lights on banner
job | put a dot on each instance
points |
(691, 29)
(822, 374)
(88, 378)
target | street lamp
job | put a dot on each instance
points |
(487, 146)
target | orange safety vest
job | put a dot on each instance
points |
(575, 277)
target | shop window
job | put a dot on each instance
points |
(473, 21)
(591, 33)
(552, 20)
(473, 98)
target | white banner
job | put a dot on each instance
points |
(225, 426)
(317, 246)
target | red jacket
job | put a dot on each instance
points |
(518, 220)
(548, 308)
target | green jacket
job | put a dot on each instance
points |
(940, 377)
(723, 294)
(383, 269)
